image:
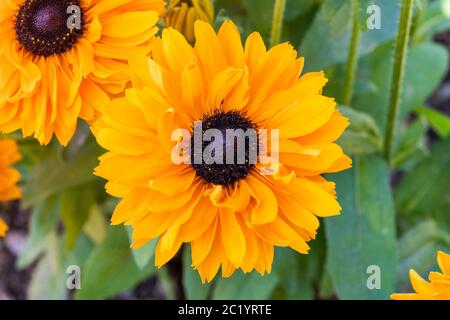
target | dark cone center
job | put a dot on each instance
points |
(241, 148)
(49, 27)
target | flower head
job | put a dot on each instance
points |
(182, 14)
(62, 58)
(9, 154)
(233, 213)
(438, 287)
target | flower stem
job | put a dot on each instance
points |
(277, 22)
(352, 61)
(401, 50)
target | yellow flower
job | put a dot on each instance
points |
(182, 14)
(231, 214)
(9, 154)
(438, 287)
(60, 59)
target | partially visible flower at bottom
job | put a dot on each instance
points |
(438, 287)
(232, 215)
(9, 154)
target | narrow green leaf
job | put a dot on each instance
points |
(438, 120)
(192, 283)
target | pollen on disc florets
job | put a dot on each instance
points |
(42, 26)
(225, 174)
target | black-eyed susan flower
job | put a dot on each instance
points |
(62, 58)
(233, 213)
(182, 14)
(9, 154)
(438, 287)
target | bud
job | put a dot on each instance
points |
(181, 15)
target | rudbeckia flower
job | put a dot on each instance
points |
(62, 58)
(438, 287)
(231, 214)
(182, 14)
(9, 154)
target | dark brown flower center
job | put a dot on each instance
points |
(237, 145)
(48, 27)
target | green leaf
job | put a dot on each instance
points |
(326, 288)
(295, 283)
(96, 226)
(167, 283)
(426, 187)
(110, 268)
(438, 120)
(434, 19)
(327, 41)
(76, 204)
(245, 287)
(416, 237)
(260, 13)
(364, 235)
(363, 135)
(412, 146)
(144, 255)
(47, 281)
(54, 174)
(192, 283)
(44, 218)
(425, 67)
(390, 15)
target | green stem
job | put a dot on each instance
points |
(277, 22)
(352, 61)
(401, 50)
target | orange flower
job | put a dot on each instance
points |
(231, 214)
(438, 287)
(9, 154)
(62, 58)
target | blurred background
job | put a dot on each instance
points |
(394, 217)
